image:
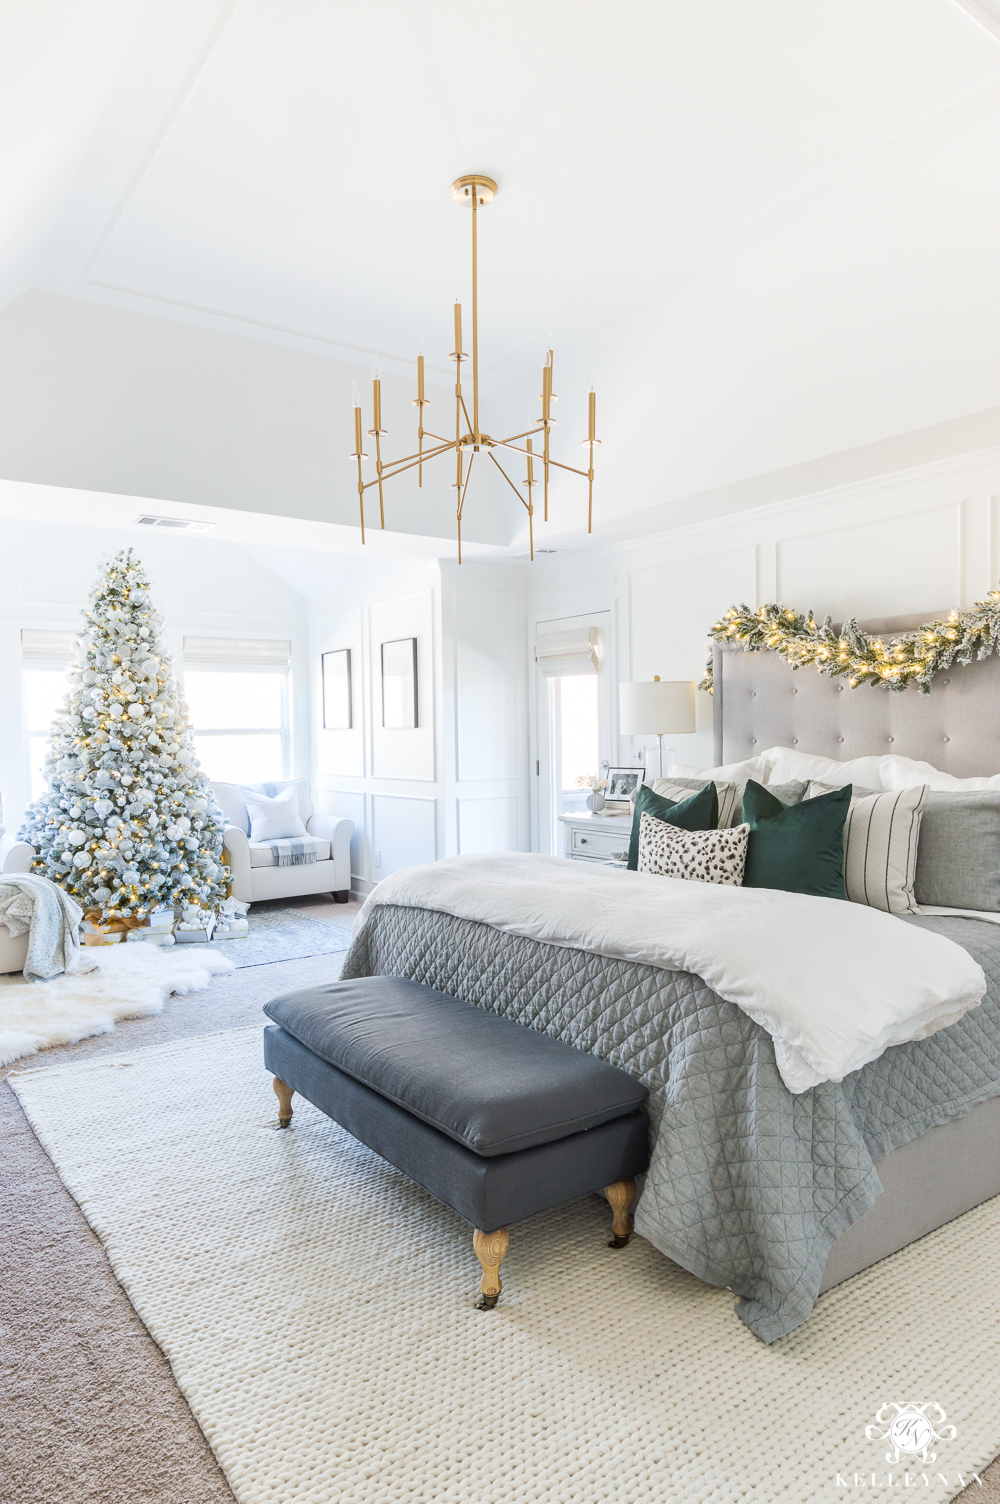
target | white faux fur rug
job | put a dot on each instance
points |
(317, 1309)
(130, 981)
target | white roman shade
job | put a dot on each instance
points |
(237, 652)
(39, 646)
(560, 655)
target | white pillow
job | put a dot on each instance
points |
(788, 764)
(274, 819)
(730, 772)
(904, 773)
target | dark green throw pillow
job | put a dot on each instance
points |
(700, 812)
(798, 848)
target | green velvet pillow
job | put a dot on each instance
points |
(798, 848)
(700, 812)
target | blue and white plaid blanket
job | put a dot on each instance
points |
(297, 851)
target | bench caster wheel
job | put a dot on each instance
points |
(617, 1242)
(487, 1302)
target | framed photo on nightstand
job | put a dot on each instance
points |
(622, 785)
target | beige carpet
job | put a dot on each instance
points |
(317, 1309)
(90, 1412)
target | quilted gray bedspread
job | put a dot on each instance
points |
(748, 1186)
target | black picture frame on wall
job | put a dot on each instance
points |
(399, 683)
(338, 699)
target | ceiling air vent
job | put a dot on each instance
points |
(183, 523)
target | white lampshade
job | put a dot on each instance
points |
(660, 708)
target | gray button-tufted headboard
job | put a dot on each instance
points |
(760, 702)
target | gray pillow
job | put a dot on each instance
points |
(730, 795)
(958, 859)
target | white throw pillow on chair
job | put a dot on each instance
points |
(274, 819)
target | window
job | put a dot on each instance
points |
(237, 697)
(575, 741)
(45, 657)
(44, 692)
(576, 725)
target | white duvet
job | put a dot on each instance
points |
(833, 983)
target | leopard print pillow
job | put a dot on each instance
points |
(700, 856)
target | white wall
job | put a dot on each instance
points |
(214, 589)
(458, 781)
(920, 541)
(101, 399)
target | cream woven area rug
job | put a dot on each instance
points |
(318, 1311)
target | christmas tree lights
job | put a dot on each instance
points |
(913, 658)
(127, 824)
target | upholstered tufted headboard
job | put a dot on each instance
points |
(760, 702)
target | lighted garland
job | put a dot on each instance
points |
(914, 658)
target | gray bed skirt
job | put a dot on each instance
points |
(749, 1187)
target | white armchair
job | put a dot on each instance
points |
(254, 874)
(15, 856)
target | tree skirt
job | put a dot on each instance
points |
(131, 981)
(317, 1309)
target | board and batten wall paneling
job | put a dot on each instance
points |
(876, 568)
(671, 607)
(403, 832)
(404, 752)
(486, 683)
(349, 804)
(340, 753)
(487, 824)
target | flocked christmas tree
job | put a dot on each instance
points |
(127, 823)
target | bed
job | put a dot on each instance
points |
(775, 1194)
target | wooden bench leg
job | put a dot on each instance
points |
(284, 1094)
(490, 1248)
(621, 1195)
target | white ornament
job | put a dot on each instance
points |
(82, 859)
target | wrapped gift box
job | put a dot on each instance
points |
(160, 922)
(96, 933)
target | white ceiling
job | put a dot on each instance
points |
(280, 169)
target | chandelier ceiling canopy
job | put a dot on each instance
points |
(474, 190)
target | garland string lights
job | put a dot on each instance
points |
(893, 664)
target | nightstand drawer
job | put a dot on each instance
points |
(599, 844)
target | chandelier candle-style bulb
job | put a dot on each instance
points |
(420, 378)
(592, 417)
(458, 332)
(357, 431)
(377, 400)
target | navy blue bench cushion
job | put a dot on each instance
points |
(489, 1192)
(488, 1083)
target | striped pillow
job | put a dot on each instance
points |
(880, 848)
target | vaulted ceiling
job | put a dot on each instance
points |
(768, 230)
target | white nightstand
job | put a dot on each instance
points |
(596, 838)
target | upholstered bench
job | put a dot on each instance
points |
(494, 1119)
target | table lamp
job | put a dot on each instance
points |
(657, 709)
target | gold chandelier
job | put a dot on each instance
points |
(475, 191)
